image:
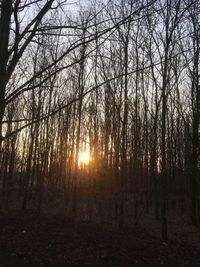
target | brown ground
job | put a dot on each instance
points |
(179, 227)
(30, 240)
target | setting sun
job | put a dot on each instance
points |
(84, 158)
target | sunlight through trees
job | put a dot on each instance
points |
(109, 91)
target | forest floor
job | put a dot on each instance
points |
(180, 228)
(30, 240)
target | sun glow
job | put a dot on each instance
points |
(84, 158)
